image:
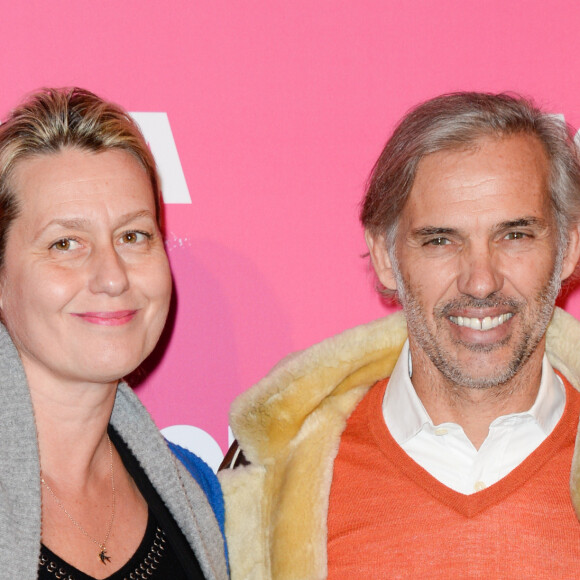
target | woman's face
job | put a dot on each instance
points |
(85, 286)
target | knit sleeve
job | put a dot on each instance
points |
(205, 477)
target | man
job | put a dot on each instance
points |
(448, 455)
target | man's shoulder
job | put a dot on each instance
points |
(297, 386)
(563, 346)
(339, 355)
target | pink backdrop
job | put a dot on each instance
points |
(278, 111)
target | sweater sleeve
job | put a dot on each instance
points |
(205, 477)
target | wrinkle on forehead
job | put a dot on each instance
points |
(81, 186)
(499, 177)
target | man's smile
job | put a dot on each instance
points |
(483, 324)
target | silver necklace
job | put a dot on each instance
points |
(103, 556)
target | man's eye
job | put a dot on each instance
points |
(439, 241)
(515, 236)
(65, 244)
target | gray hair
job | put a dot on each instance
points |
(458, 120)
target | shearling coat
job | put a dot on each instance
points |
(289, 427)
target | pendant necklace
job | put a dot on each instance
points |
(103, 556)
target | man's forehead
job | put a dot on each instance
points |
(526, 143)
(512, 158)
(497, 180)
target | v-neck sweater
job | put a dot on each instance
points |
(388, 517)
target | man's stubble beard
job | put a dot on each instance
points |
(530, 334)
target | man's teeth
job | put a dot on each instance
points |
(486, 323)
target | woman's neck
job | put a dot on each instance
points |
(71, 416)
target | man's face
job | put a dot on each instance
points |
(477, 267)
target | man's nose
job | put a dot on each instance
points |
(479, 274)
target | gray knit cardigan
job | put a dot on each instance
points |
(20, 506)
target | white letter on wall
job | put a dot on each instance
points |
(157, 132)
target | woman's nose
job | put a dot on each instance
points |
(108, 272)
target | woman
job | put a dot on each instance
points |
(88, 487)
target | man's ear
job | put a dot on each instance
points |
(381, 260)
(572, 254)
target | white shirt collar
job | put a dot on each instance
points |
(405, 414)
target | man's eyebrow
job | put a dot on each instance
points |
(523, 222)
(428, 231)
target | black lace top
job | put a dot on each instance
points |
(154, 558)
(163, 553)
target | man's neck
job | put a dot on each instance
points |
(472, 408)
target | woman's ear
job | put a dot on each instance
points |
(381, 260)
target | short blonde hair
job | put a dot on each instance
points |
(56, 118)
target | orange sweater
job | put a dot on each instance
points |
(389, 518)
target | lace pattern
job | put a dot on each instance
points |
(144, 570)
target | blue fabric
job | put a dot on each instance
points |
(207, 480)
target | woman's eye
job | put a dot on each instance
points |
(134, 237)
(65, 245)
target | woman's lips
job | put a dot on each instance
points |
(112, 318)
